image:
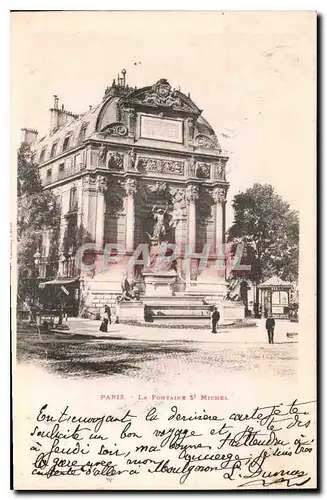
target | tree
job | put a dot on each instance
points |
(269, 231)
(37, 211)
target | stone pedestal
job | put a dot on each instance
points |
(208, 282)
(233, 311)
(130, 311)
(159, 283)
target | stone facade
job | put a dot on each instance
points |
(110, 167)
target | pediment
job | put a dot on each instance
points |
(160, 95)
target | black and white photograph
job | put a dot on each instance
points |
(163, 250)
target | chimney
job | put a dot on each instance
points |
(58, 117)
(54, 114)
(29, 135)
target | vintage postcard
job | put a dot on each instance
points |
(163, 250)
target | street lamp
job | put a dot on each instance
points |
(37, 257)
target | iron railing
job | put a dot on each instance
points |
(64, 174)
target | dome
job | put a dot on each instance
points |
(75, 129)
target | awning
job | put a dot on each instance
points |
(276, 283)
(58, 282)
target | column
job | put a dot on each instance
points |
(219, 196)
(101, 206)
(80, 203)
(130, 188)
(89, 207)
(191, 195)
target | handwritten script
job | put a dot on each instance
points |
(262, 448)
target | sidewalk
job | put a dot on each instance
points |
(258, 334)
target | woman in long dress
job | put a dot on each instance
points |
(104, 323)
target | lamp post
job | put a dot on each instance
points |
(36, 260)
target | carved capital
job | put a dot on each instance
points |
(130, 187)
(89, 183)
(192, 193)
(101, 183)
(219, 194)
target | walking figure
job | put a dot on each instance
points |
(270, 326)
(105, 320)
(108, 311)
(215, 317)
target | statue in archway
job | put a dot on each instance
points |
(159, 229)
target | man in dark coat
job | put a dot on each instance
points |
(108, 311)
(270, 326)
(215, 317)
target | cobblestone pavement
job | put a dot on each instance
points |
(236, 335)
(161, 358)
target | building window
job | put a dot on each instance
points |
(53, 150)
(65, 145)
(42, 155)
(61, 167)
(73, 199)
(77, 160)
(49, 171)
(82, 134)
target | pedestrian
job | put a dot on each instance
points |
(108, 311)
(104, 323)
(270, 326)
(215, 317)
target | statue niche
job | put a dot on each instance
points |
(158, 240)
(159, 231)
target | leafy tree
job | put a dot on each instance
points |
(37, 211)
(269, 231)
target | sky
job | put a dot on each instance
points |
(252, 74)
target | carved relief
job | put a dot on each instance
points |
(220, 170)
(202, 170)
(102, 155)
(204, 141)
(118, 129)
(219, 194)
(190, 127)
(161, 94)
(159, 187)
(179, 205)
(192, 193)
(132, 160)
(116, 161)
(172, 167)
(192, 165)
(131, 118)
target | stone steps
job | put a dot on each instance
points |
(180, 312)
(177, 310)
(174, 301)
(181, 320)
